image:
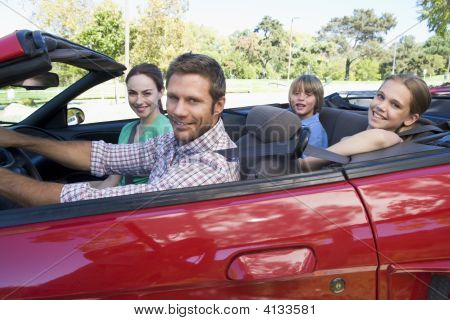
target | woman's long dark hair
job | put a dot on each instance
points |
(151, 71)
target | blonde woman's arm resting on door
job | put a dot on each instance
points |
(365, 141)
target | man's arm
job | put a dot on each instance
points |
(26, 191)
(365, 141)
(198, 172)
(72, 154)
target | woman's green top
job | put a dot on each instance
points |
(160, 126)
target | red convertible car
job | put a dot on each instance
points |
(374, 227)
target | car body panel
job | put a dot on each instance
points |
(185, 251)
(410, 216)
(11, 48)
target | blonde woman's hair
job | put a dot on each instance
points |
(420, 93)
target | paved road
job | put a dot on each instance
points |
(249, 99)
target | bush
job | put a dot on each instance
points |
(365, 69)
(28, 102)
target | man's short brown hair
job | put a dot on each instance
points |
(194, 63)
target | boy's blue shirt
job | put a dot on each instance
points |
(318, 137)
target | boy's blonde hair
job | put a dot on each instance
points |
(310, 84)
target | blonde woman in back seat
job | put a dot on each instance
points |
(396, 107)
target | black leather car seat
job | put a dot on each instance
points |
(340, 123)
(273, 141)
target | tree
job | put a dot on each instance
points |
(160, 33)
(202, 39)
(439, 45)
(356, 35)
(245, 45)
(65, 18)
(105, 32)
(437, 13)
(366, 69)
(414, 58)
(310, 57)
(272, 48)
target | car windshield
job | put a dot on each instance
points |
(18, 103)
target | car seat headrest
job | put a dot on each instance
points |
(271, 124)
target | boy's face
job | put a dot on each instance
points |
(302, 102)
(190, 107)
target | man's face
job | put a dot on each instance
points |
(190, 107)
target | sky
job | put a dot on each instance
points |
(225, 17)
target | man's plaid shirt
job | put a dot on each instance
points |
(168, 165)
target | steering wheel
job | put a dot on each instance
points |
(25, 128)
(16, 160)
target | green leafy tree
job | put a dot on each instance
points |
(355, 35)
(366, 69)
(265, 48)
(439, 45)
(105, 32)
(412, 57)
(405, 50)
(202, 39)
(236, 66)
(160, 33)
(310, 57)
(272, 49)
(65, 18)
(437, 14)
(245, 46)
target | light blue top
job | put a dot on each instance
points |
(318, 137)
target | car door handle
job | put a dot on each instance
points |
(272, 264)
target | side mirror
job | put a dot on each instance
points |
(39, 82)
(75, 116)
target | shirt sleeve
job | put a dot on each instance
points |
(131, 159)
(181, 175)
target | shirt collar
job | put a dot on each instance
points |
(206, 141)
(313, 118)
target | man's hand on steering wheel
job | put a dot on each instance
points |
(16, 160)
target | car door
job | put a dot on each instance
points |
(294, 237)
(410, 213)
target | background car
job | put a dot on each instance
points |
(377, 227)
(443, 89)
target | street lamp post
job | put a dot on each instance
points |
(395, 56)
(127, 34)
(290, 48)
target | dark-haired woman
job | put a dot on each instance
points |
(145, 86)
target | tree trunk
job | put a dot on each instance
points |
(347, 69)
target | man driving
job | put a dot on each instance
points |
(184, 158)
